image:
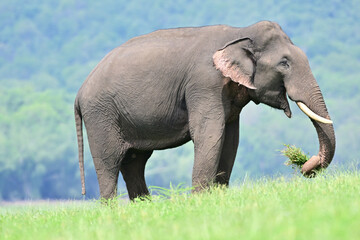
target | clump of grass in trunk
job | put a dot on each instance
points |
(296, 156)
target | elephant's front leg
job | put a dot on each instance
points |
(208, 136)
(228, 153)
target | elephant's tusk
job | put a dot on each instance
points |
(311, 114)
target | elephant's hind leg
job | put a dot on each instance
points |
(133, 170)
(108, 150)
(107, 177)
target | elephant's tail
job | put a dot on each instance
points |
(80, 139)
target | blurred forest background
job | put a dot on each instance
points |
(47, 48)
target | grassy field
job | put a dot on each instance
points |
(327, 207)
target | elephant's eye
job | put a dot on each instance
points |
(284, 63)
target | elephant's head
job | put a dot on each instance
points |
(266, 62)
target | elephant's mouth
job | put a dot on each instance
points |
(280, 101)
(287, 111)
(285, 103)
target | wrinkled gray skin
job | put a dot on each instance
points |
(168, 87)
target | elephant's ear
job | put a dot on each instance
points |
(236, 61)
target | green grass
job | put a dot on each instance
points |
(326, 207)
(296, 156)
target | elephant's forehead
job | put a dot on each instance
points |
(274, 55)
(298, 53)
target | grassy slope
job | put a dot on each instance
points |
(327, 207)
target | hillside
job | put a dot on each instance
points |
(47, 48)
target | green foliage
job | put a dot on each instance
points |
(34, 128)
(323, 208)
(47, 48)
(296, 157)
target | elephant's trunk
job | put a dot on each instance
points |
(314, 106)
(326, 152)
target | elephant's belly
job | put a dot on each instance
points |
(156, 138)
(163, 143)
(154, 132)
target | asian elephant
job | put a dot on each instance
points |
(168, 87)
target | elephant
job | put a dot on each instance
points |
(165, 88)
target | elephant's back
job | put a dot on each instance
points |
(165, 52)
(155, 65)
